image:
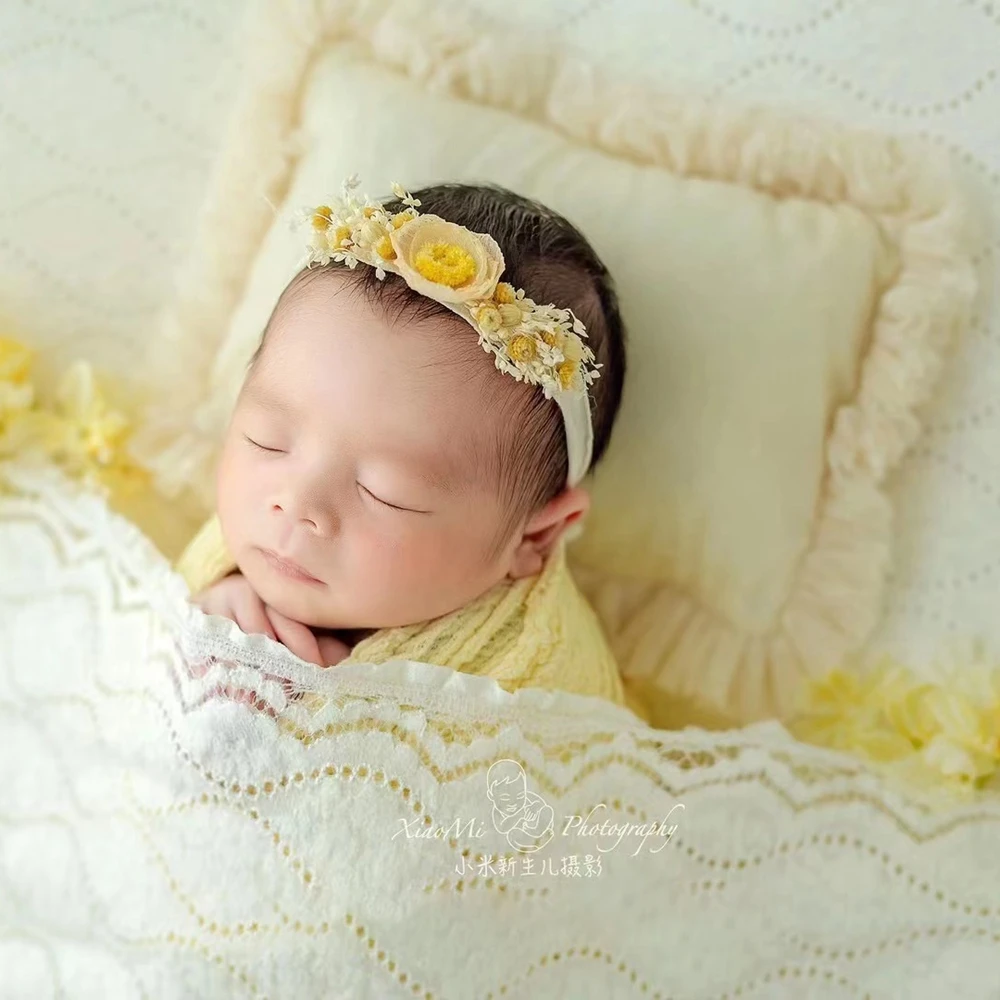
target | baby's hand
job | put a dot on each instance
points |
(232, 597)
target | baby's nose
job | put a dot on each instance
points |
(317, 522)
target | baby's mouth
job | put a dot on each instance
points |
(288, 568)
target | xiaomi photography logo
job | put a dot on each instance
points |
(522, 816)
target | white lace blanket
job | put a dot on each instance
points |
(186, 812)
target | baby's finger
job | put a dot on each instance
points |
(332, 650)
(251, 616)
(296, 636)
(207, 600)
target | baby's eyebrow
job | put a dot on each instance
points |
(255, 392)
(448, 477)
(438, 477)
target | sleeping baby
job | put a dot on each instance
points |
(396, 485)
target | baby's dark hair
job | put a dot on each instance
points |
(554, 263)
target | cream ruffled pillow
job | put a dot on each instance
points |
(788, 287)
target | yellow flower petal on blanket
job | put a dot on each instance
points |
(15, 361)
(15, 397)
(861, 732)
(956, 717)
(93, 433)
(941, 732)
(33, 430)
(954, 759)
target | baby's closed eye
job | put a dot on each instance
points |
(262, 447)
(386, 503)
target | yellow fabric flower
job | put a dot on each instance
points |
(17, 394)
(944, 731)
(447, 262)
(15, 361)
(78, 431)
(81, 431)
(14, 398)
(93, 430)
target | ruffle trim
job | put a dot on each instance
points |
(661, 637)
(438, 690)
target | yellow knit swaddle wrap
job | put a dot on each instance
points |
(535, 632)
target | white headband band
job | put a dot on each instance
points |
(541, 345)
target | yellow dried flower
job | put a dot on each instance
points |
(456, 267)
(445, 264)
(510, 315)
(567, 372)
(522, 348)
(385, 249)
(321, 217)
(488, 317)
(504, 293)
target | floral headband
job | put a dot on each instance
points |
(541, 345)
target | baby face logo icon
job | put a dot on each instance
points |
(522, 816)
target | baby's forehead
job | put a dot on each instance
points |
(425, 386)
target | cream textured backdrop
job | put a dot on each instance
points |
(108, 120)
(110, 112)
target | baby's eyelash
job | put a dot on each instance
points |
(385, 503)
(260, 446)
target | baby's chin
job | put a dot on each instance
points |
(308, 603)
(328, 605)
(318, 606)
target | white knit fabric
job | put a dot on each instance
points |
(143, 851)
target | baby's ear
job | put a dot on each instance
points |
(544, 528)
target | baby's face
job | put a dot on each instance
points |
(370, 480)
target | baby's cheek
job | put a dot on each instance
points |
(394, 555)
(232, 494)
(406, 571)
